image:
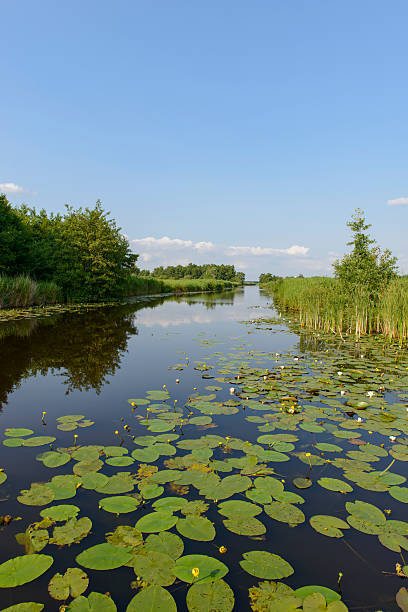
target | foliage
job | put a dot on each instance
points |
(195, 271)
(366, 268)
(267, 278)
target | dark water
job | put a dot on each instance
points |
(91, 364)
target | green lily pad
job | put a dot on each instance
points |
(120, 461)
(84, 467)
(264, 564)
(285, 513)
(156, 521)
(38, 441)
(104, 557)
(72, 584)
(210, 569)
(72, 532)
(138, 402)
(170, 504)
(64, 486)
(60, 513)
(258, 496)
(234, 508)
(366, 512)
(329, 594)
(165, 542)
(86, 453)
(149, 454)
(119, 504)
(25, 607)
(3, 477)
(94, 480)
(150, 491)
(54, 459)
(269, 485)
(399, 493)
(95, 602)
(152, 599)
(20, 570)
(329, 448)
(37, 495)
(154, 568)
(13, 442)
(196, 528)
(333, 484)
(273, 597)
(127, 537)
(302, 483)
(70, 418)
(245, 525)
(330, 526)
(210, 597)
(115, 451)
(116, 484)
(20, 432)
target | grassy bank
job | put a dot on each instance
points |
(22, 291)
(321, 303)
(140, 285)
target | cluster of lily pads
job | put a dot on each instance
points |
(176, 472)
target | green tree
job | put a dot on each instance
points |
(15, 241)
(365, 267)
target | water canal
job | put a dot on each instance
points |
(226, 406)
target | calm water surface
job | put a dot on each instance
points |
(91, 364)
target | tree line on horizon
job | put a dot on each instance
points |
(224, 272)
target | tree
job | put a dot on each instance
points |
(366, 267)
(15, 241)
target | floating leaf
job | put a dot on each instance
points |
(38, 441)
(146, 455)
(83, 467)
(329, 594)
(170, 504)
(120, 461)
(286, 513)
(302, 483)
(264, 564)
(20, 570)
(127, 537)
(245, 525)
(333, 484)
(119, 504)
(72, 584)
(72, 532)
(165, 542)
(60, 513)
(25, 607)
(104, 557)
(64, 486)
(273, 596)
(210, 597)
(156, 521)
(399, 493)
(238, 507)
(155, 568)
(95, 602)
(152, 599)
(196, 528)
(210, 569)
(366, 512)
(54, 459)
(37, 495)
(18, 432)
(328, 525)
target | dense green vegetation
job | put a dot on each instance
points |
(83, 256)
(366, 295)
(195, 271)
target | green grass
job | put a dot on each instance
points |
(321, 303)
(140, 285)
(22, 291)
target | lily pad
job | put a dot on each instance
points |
(18, 432)
(25, 607)
(170, 504)
(235, 508)
(119, 504)
(72, 584)
(156, 521)
(210, 597)
(95, 602)
(60, 513)
(120, 461)
(72, 532)
(196, 528)
(154, 568)
(333, 484)
(37, 495)
(152, 599)
(264, 564)
(104, 557)
(209, 569)
(286, 513)
(23, 569)
(54, 459)
(330, 526)
(165, 542)
(38, 441)
(329, 594)
(245, 525)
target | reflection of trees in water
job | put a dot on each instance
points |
(87, 346)
(210, 300)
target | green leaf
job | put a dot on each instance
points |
(264, 564)
(72, 584)
(155, 568)
(104, 557)
(38, 441)
(25, 607)
(286, 513)
(170, 504)
(156, 521)
(54, 459)
(399, 493)
(366, 512)
(152, 599)
(210, 569)
(95, 602)
(60, 513)
(165, 542)
(210, 597)
(196, 528)
(149, 454)
(302, 483)
(72, 532)
(330, 595)
(37, 495)
(18, 433)
(119, 504)
(127, 537)
(120, 461)
(245, 525)
(333, 484)
(328, 525)
(20, 570)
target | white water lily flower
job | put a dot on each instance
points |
(265, 378)
(282, 367)
(370, 393)
(339, 373)
(291, 410)
(359, 420)
(393, 438)
(177, 380)
(342, 393)
(232, 390)
(296, 359)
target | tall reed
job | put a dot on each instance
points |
(322, 303)
(22, 291)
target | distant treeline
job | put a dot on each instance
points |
(194, 271)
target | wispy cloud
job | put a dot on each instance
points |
(261, 251)
(398, 202)
(10, 188)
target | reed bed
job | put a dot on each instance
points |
(22, 291)
(147, 285)
(323, 303)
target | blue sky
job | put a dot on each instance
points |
(228, 131)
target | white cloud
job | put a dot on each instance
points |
(398, 202)
(10, 188)
(170, 243)
(261, 251)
